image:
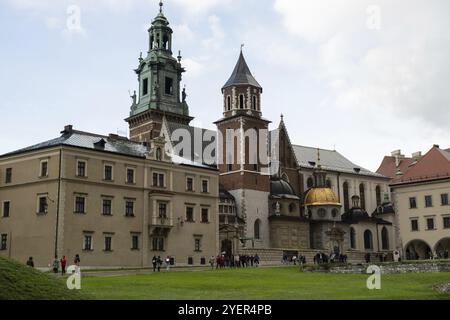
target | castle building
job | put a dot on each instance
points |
(420, 190)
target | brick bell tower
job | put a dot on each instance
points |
(242, 152)
(159, 77)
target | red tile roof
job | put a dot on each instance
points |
(388, 167)
(434, 165)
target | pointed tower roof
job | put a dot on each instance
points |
(241, 75)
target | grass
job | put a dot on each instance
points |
(262, 284)
(19, 282)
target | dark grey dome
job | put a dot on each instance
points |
(281, 188)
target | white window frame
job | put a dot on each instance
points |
(134, 207)
(207, 185)
(85, 168)
(165, 179)
(104, 172)
(40, 168)
(193, 183)
(108, 235)
(134, 175)
(78, 195)
(88, 234)
(39, 197)
(110, 198)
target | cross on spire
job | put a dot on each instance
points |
(161, 4)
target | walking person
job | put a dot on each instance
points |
(168, 264)
(63, 262)
(77, 260)
(154, 263)
(159, 263)
(211, 262)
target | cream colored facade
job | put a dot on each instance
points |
(116, 239)
(424, 239)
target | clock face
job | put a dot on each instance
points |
(322, 213)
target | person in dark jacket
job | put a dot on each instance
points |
(63, 262)
(30, 262)
(77, 260)
(154, 263)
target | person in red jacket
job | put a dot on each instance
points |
(63, 262)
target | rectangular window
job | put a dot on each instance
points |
(135, 242)
(189, 214)
(81, 168)
(158, 244)
(107, 207)
(205, 186)
(145, 87)
(129, 208)
(87, 246)
(4, 242)
(198, 245)
(446, 222)
(412, 203)
(428, 201)
(205, 215)
(430, 224)
(108, 173)
(189, 184)
(230, 167)
(42, 205)
(169, 85)
(203, 261)
(444, 199)
(80, 204)
(44, 169)
(108, 243)
(8, 175)
(163, 210)
(130, 175)
(190, 261)
(414, 225)
(158, 180)
(6, 209)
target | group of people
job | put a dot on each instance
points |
(234, 261)
(58, 263)
(294, 260)
(158, 262)
(322, 258)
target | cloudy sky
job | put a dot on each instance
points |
(364, 77)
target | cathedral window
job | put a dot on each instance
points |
(362, 195)
(385, 239)
(254, 103)
(241, 101)
(352, 238)
(368, 241)
(145, 87)
(257, 229)
(229, 103)
(169, 85)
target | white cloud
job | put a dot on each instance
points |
(217, 34)
(403, 68)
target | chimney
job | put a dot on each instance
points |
(416, 156)
(67, 129)
(397, 154)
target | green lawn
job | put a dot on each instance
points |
(261, 284)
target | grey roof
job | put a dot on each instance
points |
(111, 144)
(280, 188)
(194, 133)
(330, 160)
(241, 75)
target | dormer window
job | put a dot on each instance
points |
(169, 86)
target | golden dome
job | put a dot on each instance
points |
(321, 197)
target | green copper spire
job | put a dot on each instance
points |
(160, 73)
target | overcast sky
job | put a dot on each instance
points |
(364, 77)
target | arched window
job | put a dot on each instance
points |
(310, 182)
(257, 229)
(352, 238)
(254, 102)
(334, 213)
(158, 154)
(362, 196)
(368, 240)
(322, 213)
(346, 197)
(378, 195)
(241, 101)
(228, 103)
(385, 239)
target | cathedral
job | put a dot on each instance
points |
(288, 199)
